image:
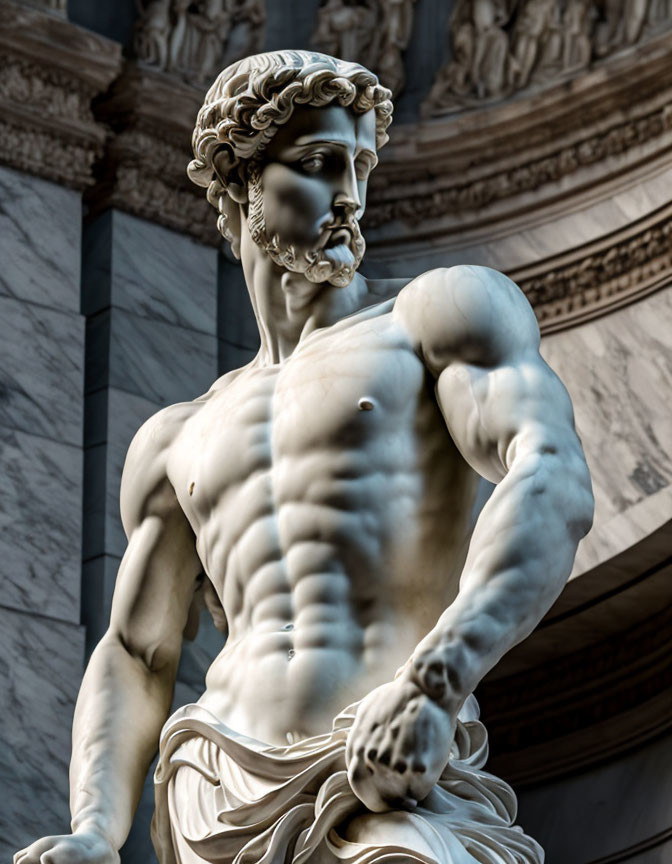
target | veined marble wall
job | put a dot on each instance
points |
(41, 415)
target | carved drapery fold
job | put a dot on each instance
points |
(373, 32)
(499, 48)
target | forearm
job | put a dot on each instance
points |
(520, 556)
(121, 708)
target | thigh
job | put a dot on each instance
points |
(410, 831)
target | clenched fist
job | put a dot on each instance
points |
(80, 848)
(398, 746)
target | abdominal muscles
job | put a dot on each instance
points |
(314, 597)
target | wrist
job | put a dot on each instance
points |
(91, 826)
(438, 676)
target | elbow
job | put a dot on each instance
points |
(583, 508)
(563, 480)
(153, 658)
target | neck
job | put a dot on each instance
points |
(288, 306)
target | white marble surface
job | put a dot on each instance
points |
(618, 370)
(40, 670)
(40, 228)
(603, 811)
(150, 271)
(40, 525)
(42, 370)
(157, 361)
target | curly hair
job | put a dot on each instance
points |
(252, 98)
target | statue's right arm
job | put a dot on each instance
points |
(128, 685)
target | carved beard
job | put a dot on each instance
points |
(336, 265)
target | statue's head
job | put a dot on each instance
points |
(285, 141)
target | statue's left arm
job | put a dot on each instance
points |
(512, 420)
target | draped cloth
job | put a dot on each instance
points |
(225, 798)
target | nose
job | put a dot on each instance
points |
(347, 198)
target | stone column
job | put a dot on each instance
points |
(150, 300)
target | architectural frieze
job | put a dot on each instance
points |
(195, 41)
(51, 70)
(499, 48)
(375, 32)
(603, 276)
(459, 196)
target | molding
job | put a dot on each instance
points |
(446, 179)
(143, 172)
(458, 195)
(51, 72)
(628, 854)
(600, 277)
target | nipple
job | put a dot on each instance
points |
(365, 404)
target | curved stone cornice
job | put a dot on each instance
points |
(51, 70)
(595, 678)
(599, 277)
(445, 180)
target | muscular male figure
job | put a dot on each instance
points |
(325, 490)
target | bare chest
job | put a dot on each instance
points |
(343, 399)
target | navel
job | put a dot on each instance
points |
(366, 404)
(191, 487)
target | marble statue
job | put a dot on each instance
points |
(321, 497)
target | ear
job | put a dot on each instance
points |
(229, 223)
(228, 170)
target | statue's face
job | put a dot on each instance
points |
(310, 191)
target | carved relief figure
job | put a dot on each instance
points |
(152, 33)
(531, 33)
(195, 39)
(496, 51)
(577, 28)
(375, 32)
(321, 497)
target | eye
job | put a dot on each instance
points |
(313, 164)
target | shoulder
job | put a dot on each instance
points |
(145, 486)
(467, 314)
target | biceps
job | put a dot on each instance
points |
(495, 415)
(154, 589)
